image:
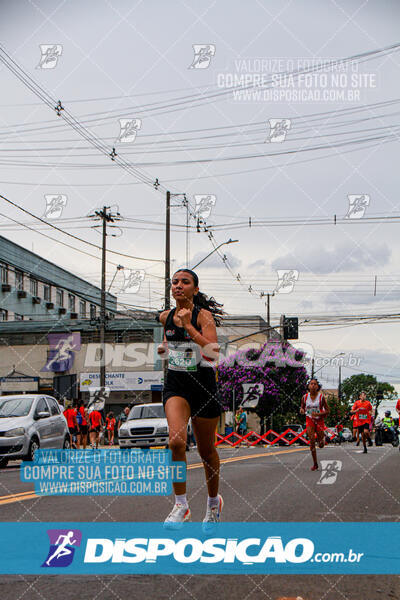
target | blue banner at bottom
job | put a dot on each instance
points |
(239, 548)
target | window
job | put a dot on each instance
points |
(41, 406)
(3, 273)
(82, 309)
(19, 280)
(60, 297)
(3, 314)
(47, 292)
(54, 407)
(92, 311)
(33, 286)
(71, 303)
(18, 317)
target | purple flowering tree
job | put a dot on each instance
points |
(278, 367)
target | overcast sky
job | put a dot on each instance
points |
(124, 59)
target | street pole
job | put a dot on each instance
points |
(106, 217)
(103, 301)
(167, 303)
(312, 368)
(340, 383)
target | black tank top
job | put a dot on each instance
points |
(173, 333)
(184, 354)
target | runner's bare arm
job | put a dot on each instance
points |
(161, 349)
(302, 406)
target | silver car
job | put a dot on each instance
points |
(29, 422)
(146, 426)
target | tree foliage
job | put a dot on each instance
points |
(279, 367)
(376, 390)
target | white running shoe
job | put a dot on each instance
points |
(213, 516)
(177, 517)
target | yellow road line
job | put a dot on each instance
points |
(21, 496)
(17, 497)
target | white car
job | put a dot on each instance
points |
(146, 426)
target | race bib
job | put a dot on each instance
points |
(182, 359)
(360, 416)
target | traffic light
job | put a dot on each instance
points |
(290, 328)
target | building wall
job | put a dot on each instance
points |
(45, 272)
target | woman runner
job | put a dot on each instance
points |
(314, 406)
(190, 390)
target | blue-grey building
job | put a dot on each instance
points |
(33, 288)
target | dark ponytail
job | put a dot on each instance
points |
(203, 301)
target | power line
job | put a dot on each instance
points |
(74, 236)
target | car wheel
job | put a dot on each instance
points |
(3, 462)
(33, 446)
(67, 444)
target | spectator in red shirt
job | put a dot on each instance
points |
(110, 427)
(70, 415)
(95, 421)
(82, 420)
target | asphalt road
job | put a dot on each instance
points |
(271, 484)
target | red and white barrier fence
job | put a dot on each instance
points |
(263, 438)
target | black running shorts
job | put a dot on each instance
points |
(199, 390)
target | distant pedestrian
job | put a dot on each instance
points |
(243, 423)
(124, 417)
(110, 424)
(95, 421)
(70, 415)
(82, 421)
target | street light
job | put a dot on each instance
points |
(212, 252)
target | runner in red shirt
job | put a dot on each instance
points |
(69, 414)
(398, 408)
(362, 408)
(95, 421)
(110, 427)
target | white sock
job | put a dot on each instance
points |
(211, 502)
(181, 499)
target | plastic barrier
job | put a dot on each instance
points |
(228, 439)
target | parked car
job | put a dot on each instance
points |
(347, 434)
(295, 428)
(146, 426)
(29, 422)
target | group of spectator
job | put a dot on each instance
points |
(82, 424)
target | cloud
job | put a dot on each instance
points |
(354, 296)
(215, 261)
(306, 304)
(344, 257)
(258, 264)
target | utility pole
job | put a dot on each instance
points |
(340, 383)
(106, 216)
(312, 368)
(269, 313)
(167, 303)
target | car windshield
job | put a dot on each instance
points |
(147, 412)
(15, 407)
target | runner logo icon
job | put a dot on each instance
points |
(62, 547)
